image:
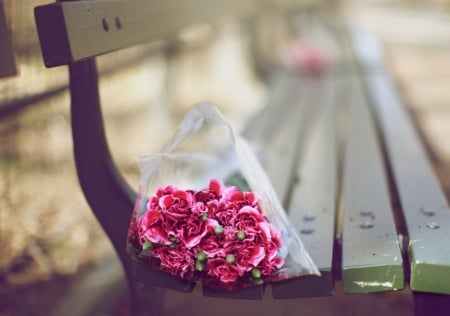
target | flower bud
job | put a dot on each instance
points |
(256, 273)
(240, 235)
(201, 256)
(199, 266)
(230, 258)
(147, 245)
(218, 229)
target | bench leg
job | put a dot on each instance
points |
(431, 304)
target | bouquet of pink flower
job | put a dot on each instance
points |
(218, 232)
(228, 237)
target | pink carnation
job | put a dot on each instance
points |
(176, 260)
(177, 205)
(222, 270)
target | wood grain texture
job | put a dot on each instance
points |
(371, 257)
(423, 201)
(313, 200)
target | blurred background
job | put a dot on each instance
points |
(50, 243)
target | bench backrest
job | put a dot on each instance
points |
(71, 31)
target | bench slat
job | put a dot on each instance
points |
(371, 257)
(313, 201)
(288, 113)
(71, 31)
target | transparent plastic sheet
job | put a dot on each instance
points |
(206, 157)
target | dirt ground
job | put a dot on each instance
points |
(38, 176)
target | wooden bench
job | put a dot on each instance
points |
(339, 146)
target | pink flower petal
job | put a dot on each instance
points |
(165, 201)
(157, 235)
(217, 186)
(249, 210)
(194, 240)
(151, 217)
(251, 197)
(257, 256)
(183, 195)
(265, 230)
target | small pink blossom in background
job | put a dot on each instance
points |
(219, 233)
(304, 56)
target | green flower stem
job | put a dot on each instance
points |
(258, 281)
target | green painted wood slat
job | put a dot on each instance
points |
(371, 256)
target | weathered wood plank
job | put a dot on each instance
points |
(423, 201)
(280, 130)
(313, 201)
(71, 31)
(371, 257)
(425, 207)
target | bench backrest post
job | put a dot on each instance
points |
(107, 190)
